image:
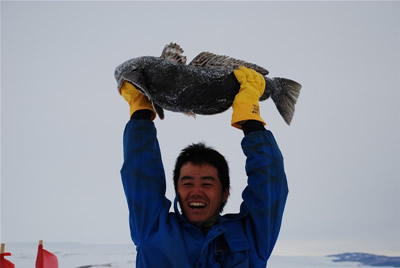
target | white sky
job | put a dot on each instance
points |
(62, 118)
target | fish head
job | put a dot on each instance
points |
(132, 71)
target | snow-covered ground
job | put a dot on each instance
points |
(71, 255)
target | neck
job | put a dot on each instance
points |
(206, 225)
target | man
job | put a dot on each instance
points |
(197, 235)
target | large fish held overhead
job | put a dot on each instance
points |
(205, 86)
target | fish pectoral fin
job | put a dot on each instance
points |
(191, 114)
(208, 59)
(158, 109)
(173, 52)
(136, 78)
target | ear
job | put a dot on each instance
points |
(225, 195)
(137, 79)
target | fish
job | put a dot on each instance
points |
(205, 86)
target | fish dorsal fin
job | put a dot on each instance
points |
(207, 59)
(173, 52)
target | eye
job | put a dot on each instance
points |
(207, 185)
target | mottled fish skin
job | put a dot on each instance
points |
(205, 89)
(181, 88)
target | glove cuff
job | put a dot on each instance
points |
(252, 126)
(143, 115)
(142, 104)
(243, 112)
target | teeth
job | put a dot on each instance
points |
(197, 204)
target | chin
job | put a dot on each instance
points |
(196, 220)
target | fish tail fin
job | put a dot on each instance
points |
(285, 94)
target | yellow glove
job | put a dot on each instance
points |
(245, 105)
(137, 101)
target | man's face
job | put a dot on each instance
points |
(200, 192)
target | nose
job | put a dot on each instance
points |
(196, 191)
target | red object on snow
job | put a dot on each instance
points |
(5, 263)
(45, 259)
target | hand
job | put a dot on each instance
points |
(245, 105)
(137, 101)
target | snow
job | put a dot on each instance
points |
(76, 255)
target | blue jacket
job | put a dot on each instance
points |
(167, 239)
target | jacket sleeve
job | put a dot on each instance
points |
(265, 196)
(143, 178)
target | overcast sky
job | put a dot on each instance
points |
(62, 118)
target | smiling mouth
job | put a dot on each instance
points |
(197, 205)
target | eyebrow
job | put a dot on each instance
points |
(209, 178)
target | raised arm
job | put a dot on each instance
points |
(142, 173)
(264, 197)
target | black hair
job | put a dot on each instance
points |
(199, 153)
